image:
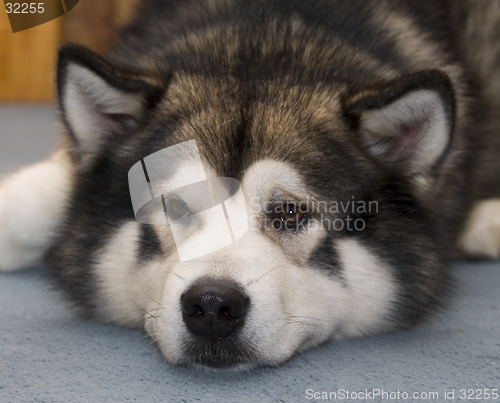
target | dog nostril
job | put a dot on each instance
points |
(213, 309)
(225, 312)
(190, 309)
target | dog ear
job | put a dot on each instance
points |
(98, 100)
(407, 124)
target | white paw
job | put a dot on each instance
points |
(19, 248)
(481, 236)
(31, 207)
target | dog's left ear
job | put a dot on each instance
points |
(99, 100)
(407, 124)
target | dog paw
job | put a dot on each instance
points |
(31, 209)
(14, 254)
(481, 236)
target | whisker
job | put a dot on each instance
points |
(309, 317)
(169, 269)
(297, 320)
(150, 315)
(152, 299)
(266, 273)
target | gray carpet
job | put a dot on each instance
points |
(49, 355)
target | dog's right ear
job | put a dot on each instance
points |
(98, 100)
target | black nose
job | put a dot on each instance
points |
(214, 309)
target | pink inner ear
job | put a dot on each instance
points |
(117, 122)
(410, 136)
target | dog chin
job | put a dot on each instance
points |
(219, 354)
(230, 354)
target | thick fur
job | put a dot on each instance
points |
(316, 102)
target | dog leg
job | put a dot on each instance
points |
(32, 203)
(481, 237)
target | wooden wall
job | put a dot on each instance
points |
(93, 22)
(27, 58)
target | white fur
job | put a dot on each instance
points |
(32, 204)
(371, 290)
(481, 236)
(127, 290)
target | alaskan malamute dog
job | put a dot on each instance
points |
(362, 136)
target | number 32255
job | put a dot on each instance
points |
(22, 8)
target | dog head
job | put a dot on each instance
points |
(337, 182)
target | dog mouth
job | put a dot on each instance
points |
(223, 353)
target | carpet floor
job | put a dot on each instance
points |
(49, 355)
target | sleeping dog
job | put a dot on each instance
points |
(246, 180)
